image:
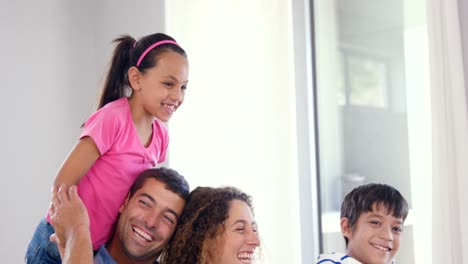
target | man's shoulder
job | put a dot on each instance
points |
(336, 258)
(103, 257)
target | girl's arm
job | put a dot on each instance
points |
(78, 162)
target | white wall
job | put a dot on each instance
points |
(53, 58)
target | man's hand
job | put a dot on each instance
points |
(70, 220)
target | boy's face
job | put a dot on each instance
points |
(375, 238)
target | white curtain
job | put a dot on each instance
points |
(238, 123)
(450, 133)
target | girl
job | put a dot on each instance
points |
(145, 85)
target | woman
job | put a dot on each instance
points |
(217, 227)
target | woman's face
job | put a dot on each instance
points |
(240, 237)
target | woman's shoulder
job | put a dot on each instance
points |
(337, 258)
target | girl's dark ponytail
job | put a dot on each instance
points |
(116, 81)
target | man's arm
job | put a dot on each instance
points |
(71, 223)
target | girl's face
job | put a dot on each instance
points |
(162, 88)
(239, 240)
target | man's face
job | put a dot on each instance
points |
(147, 221)
(375, 238)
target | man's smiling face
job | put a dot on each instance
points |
(147, 221)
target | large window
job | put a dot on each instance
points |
(371, 70)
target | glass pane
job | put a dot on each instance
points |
(372, 125)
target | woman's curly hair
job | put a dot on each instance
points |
(203, 218)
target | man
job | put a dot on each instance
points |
(147, 220)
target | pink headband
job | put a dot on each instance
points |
(152, 47)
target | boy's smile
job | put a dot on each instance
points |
(376, 236)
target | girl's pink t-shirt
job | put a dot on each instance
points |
(123, 157)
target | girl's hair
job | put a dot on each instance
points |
(126, 54)
(203, 218)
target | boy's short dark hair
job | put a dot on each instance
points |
(362, 199)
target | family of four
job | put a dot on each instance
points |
(111, 205)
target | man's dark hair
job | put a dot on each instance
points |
(174, 182)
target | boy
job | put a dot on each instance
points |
(372, 218)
